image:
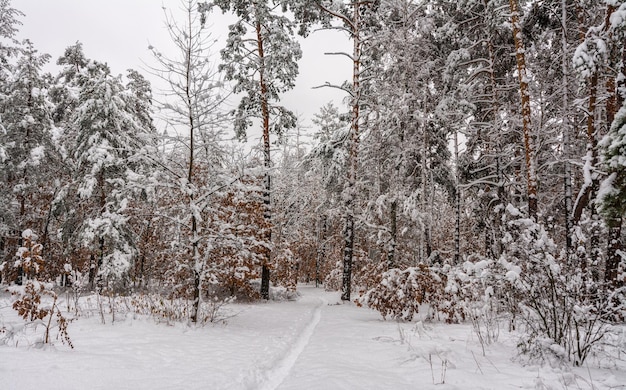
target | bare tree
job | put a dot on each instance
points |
(192, 101)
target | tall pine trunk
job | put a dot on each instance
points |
(393, 231)
(267, 212)
(321, 251)
(567, 168)
(457, 201)
(495, 249)
(614, 223)
(587, 195)
(531, 173)
(348, 250)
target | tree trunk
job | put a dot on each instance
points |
(98, 277)
(613, 259)
(587, 195)
(265, 273)
(531, 173)
(567, 168)
(495, 249)
(587, 192)
(196, 297)
(457, 201)
(425, 248)
(321, 252)
(614, 224)
(393, 231)
(348, 250)
(196, 267)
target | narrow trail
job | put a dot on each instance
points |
(276, 375)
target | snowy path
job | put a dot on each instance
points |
(346, 351)
(278, 374)
(317, 342)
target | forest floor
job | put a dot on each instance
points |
(316, 342)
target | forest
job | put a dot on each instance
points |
(476, 169)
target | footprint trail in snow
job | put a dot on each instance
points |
(275, 376)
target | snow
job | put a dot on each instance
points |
(618, 18)
(28, 233)
(513, 211)
(316, 342)
(587, 167)
(36, 155)
(606, 187)
(512, 276)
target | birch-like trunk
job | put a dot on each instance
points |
(196, 266)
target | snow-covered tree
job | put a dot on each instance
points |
(261, 57)
(599, 59)
(109, 135)
(9, 24)
(354, 18)
(324, 170)
(612, 195)
(192, 107)
(31, 161)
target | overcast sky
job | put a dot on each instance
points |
(119, 31)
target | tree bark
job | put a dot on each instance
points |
(321, 252)
(197, 277)
(393, 231)
(613, 258)
(457, 208)
(587, 195)
(495, 249)
(265, 273)
(349, 235)
(531, 174)
(567, 168)
(614, 223)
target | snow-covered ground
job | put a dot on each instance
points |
(313, 343)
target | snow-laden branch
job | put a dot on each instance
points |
(329, 85)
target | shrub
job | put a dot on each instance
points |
(30, 307)
(28, 303)
(567, 313)
(401, 292)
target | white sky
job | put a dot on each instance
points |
(118, 32)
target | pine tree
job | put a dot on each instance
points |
(109, 135)
(68, 211)
(9, 26)
(261, 57)
(611, 196)
(527, 130)
(354, 18)
(325, 166)
(31, 157)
